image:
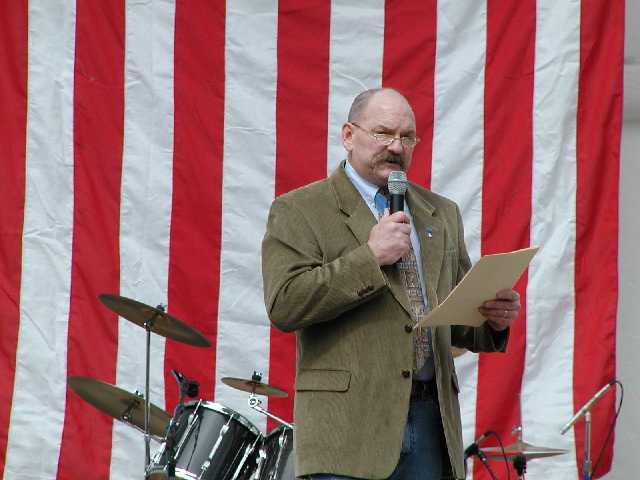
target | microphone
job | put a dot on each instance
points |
(587, 406)
(474, 449)
(397, 185)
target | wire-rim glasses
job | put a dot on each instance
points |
(387, 139)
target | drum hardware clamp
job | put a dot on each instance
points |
(126, 415)
(256, 404)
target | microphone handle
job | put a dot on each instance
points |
(396, 203)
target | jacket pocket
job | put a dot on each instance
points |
(323, 380)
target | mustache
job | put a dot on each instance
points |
(392, 158)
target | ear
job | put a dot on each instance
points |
(347, 137)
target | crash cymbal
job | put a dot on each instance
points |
(163, 323)
(120, 404)
(522, 449)
(253, 386)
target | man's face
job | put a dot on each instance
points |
(386, 112)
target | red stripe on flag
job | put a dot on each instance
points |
(598, 157)
(98, 131)
(194, 251)
(13, 118)
(409, 65)
(301, 143)
(506, 195)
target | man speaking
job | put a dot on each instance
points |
(375, 398)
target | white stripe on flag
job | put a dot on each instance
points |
(355, 63)
(458, 143)
(145, 208)
(547, 399)
(39, 395)
(248, 189)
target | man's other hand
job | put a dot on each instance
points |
(502, 310)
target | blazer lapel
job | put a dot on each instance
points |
(360, 221)
(431, 236)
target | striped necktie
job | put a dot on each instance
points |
(408, 268)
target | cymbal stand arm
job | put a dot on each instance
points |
(148, 325)
(586, 468)
(256, 403)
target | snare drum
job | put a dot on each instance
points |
(213, 442)
(277, 459)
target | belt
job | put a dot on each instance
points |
(424, 390)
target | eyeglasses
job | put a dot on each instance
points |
(387, 139)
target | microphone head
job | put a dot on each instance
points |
(397, 182)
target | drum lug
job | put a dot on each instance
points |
(207, 463)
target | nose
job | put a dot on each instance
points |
(395, 146)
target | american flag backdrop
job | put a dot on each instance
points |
(142, 142)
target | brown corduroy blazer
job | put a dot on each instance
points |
(354, 354)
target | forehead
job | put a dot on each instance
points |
(390, 109)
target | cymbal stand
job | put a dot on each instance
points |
(255, 403)
(586, 466)
(520, 464)
(519, 461)
(148, 325)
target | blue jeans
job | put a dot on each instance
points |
(423, 446)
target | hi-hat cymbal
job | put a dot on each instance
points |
(253, 386)
(522, 449)
(120, 404)
(163, 323)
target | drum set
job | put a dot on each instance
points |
(205, 440)
(202, 440)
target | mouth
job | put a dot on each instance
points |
(393, 162)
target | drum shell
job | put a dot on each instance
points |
(277, 455)
(204, 426)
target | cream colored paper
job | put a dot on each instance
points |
(491, 274)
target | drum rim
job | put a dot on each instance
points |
(218, 407)
(277, 430)
(185, 474)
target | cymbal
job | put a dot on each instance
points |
(163, 323)
(252, 386)
(522, 449)
(120, 404)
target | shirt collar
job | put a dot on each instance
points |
(367, 189)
